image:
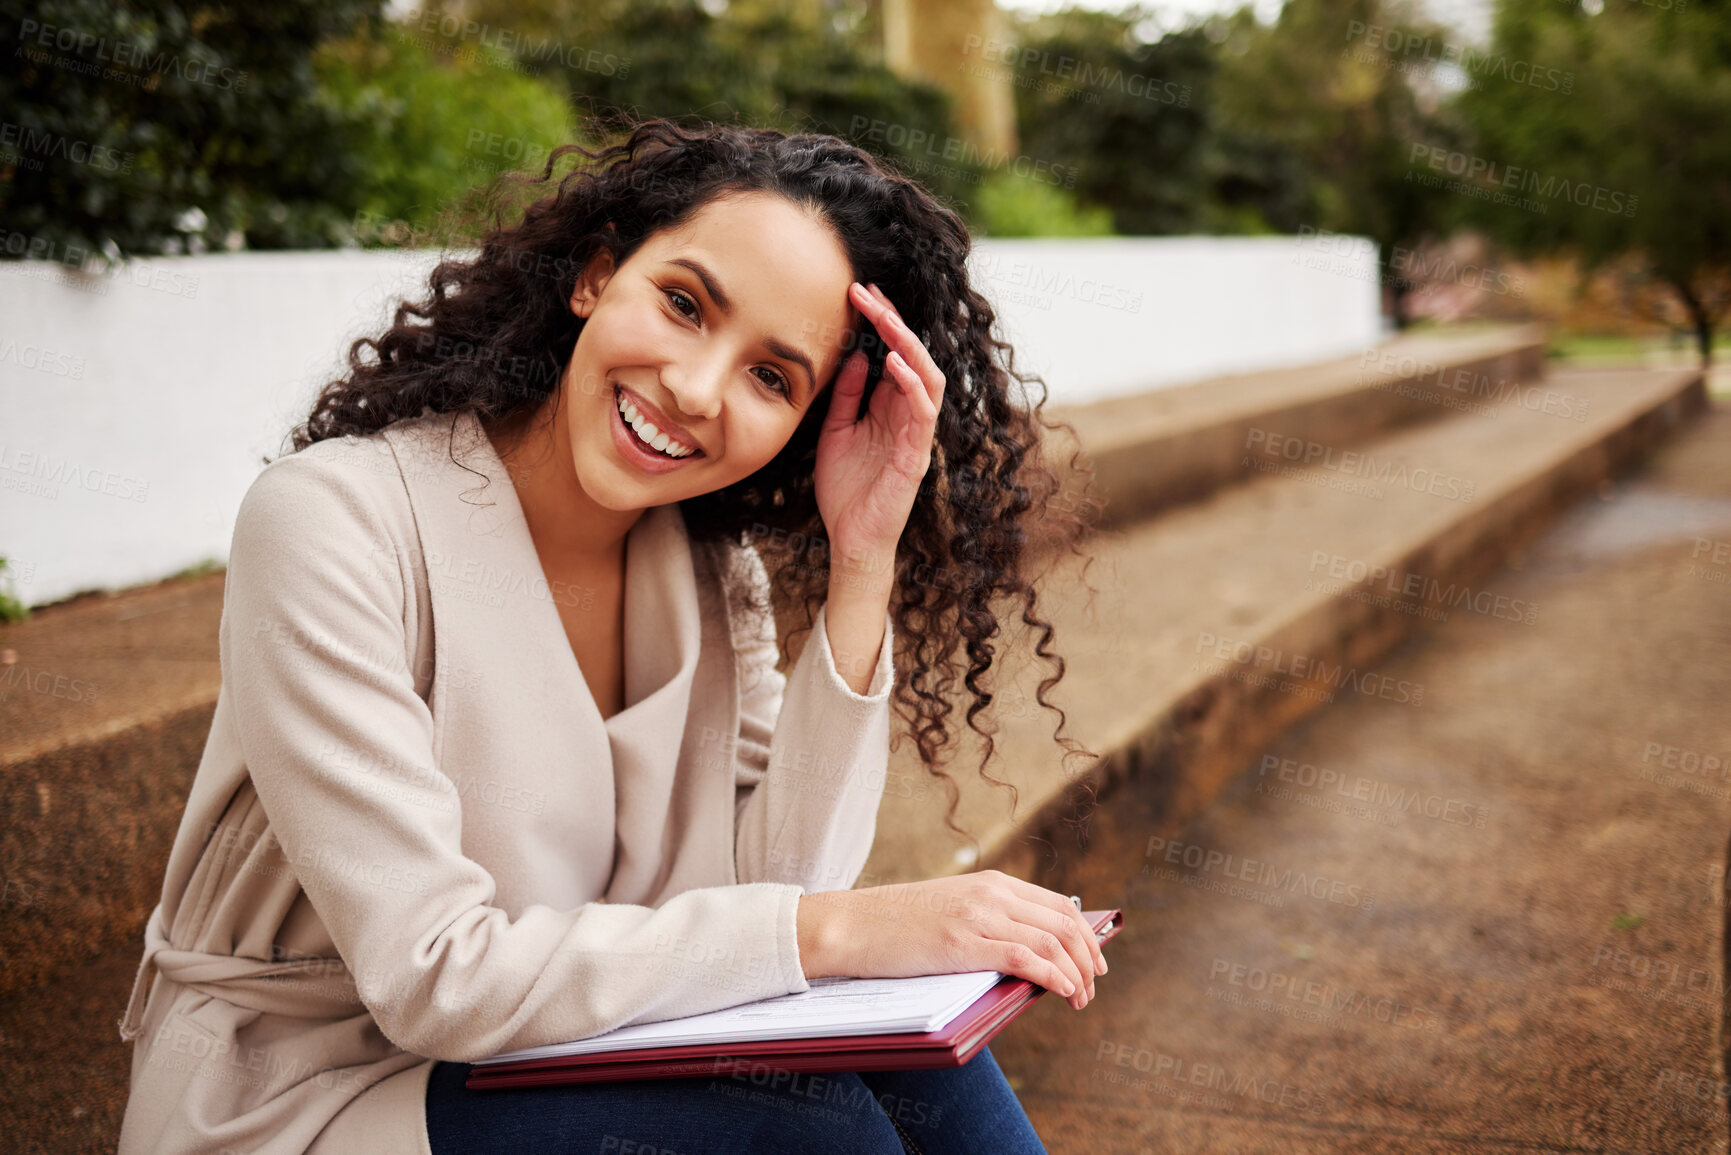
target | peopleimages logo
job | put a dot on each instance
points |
(128, 56)
(1078, 73)
(954, 148)
(1404, 46)
(66, 472)
(1335, 1001)
(514, 45)
(1385, 471)
(1257, 872)
(21, 144)
(1405, 586)
(1477, 172)
(1211, 1076)
(1305, 670)
(1396, 798)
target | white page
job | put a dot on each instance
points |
(833, 1007)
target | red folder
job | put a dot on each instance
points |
(951, 1045)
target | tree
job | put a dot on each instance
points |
(1634, 163)
(1127, 122)
(433, 120)
(1342, 92)
(771, 63)
(1234, 126)
(168, 126)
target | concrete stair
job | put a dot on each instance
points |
(1221, 622)
(106, 709)
(1239, 556)
(1152, 450)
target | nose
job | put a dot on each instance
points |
(696, 383)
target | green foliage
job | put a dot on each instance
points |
(1331, 111)
(285, 124)
(432, 124)
(1636, 159)
(830, 88)
(1232, 126)
(765, 64)
(172, 126)
(197, 569)
(1131, 119)
(1012, 206)
(12, 609)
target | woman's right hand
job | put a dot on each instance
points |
(986, 921)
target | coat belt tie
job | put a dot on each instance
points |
(304, 988)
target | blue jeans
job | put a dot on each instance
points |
(967, 1110)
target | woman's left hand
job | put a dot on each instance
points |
(869, 471)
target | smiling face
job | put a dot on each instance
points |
(720, 334)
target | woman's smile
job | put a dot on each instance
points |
(643, 441)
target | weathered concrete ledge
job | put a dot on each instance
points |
(1237, 629)
(105, 709)
(1174, 445)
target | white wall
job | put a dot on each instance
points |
(135, 407)
(1107, 316)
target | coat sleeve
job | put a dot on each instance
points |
(313, 649)
(812, 756)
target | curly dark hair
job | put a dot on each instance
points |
(495, 332)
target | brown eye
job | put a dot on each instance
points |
(677, 297)
(774, 380)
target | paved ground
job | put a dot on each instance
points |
(65, 1087)
(1339, 957)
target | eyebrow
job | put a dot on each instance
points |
(776, 347)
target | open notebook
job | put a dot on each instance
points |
(832, 1007)
(838, 1024)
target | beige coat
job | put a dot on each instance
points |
(413, 837)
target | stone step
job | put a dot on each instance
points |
(1157, 449)
(106, 708)
(1219, 624)
(104, 713)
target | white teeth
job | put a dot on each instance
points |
(651, 435)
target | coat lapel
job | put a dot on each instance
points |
(662, 642)
(630, 803)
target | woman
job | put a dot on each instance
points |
(502, 756)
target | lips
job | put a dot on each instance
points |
(634, 451)
(649, 414)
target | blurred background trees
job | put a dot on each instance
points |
(1649, 121)
(148, 128)
(311, 123)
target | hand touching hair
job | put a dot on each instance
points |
(494, 333)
